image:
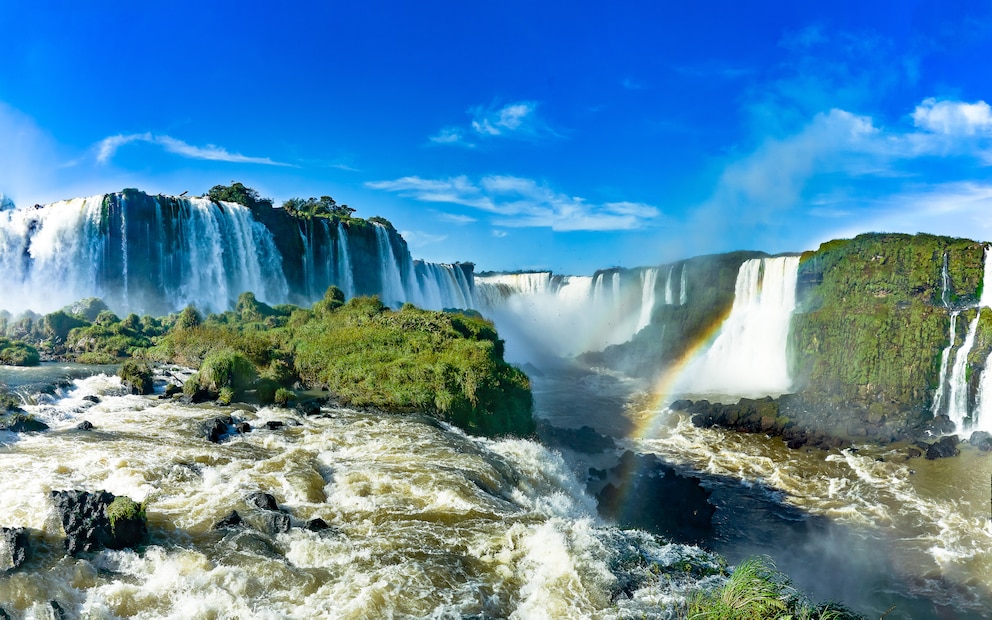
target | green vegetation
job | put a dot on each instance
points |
(18, 353)
(757, 591)
(325, 206)
(449, 365)
(137, 376)
(871, 323)
(123, 510)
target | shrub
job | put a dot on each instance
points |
(227, 368)
(136, 376)
(283, 396)
(226, 396)
(96, 358)
(17, 353)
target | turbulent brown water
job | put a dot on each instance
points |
(866, 526)
(426, 522)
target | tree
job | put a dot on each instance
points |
(311, 207)
(237, 192)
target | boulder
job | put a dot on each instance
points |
(275, 522)
(981, 440)
(317, 524)
(85, 425)
(98, 520)
(274, 425)
(22, 423)
(215, 429)
(14, 547)
(231, 521)
(263, 501)
(945, 447)
(308, 407)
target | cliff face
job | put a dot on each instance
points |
(157, 254)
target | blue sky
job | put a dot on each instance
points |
(518, 135)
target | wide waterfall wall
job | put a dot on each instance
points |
(749, 356)
(157, 254)
(569, 315)
(138, 253)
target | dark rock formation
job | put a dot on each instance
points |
(85, 425)
(14, 547)
(99, 520)
(232, 520)
(22, 423)
(274, 425)
(317, 525)
(585, 440)
(945, 447)
(981, 440)
(262, 501)
(651, 495)
(275, 522)
(136, 377)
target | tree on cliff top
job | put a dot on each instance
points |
(325, 206)
(237, 192)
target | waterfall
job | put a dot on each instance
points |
(138, 253)
(683, 289)
(938, 400)
(958, 397)
(749, 355)
(346, 276)
(389, 270)
(649, 278)
(669, 295)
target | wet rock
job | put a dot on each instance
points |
(597, 474)
(913, 452)
(273, 425)
(232, 520)
(136, 377)
(215, 429)
(941, 425)
(22, 423)
(944, 448)
(14, 547)
(308, 407)
(92, 398)
(981, 440)
(57, 611)
(317, 525)
(242, 427)
(3, 614)
(85, 425)
(171, 389)
(585, 440)
(263, 501)
(275, 522)
(99, 520)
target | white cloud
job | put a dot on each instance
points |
(519, 202)
(457, 218)
(417, 239)
(954, 118)
(108, 147)
(518, 120)
(499, 234)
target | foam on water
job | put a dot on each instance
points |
(425, 521)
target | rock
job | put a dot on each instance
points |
(945, 447)
(913, 452)
(273, 425)
(585, 440)
(232, 520)
(308, 407)
(942, 425)
(136, 377)
(171, 389)
(264, 501)
(99, 520)
(680, 405)
(242, 427)
(22, 423)
(57, 610)
(317, 524)
(85, 425)
(14, 547)
(597, 474)
(3, 614)
(276, 522)
(215, 429)
(981, 440)
(91, 398)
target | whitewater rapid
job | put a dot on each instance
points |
(425, 521)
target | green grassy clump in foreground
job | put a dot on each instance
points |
(757, 591)
(449, 365)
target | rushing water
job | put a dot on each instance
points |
(425, 521)
(867, 526)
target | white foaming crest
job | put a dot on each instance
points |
(749, 356)
(425, 521)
